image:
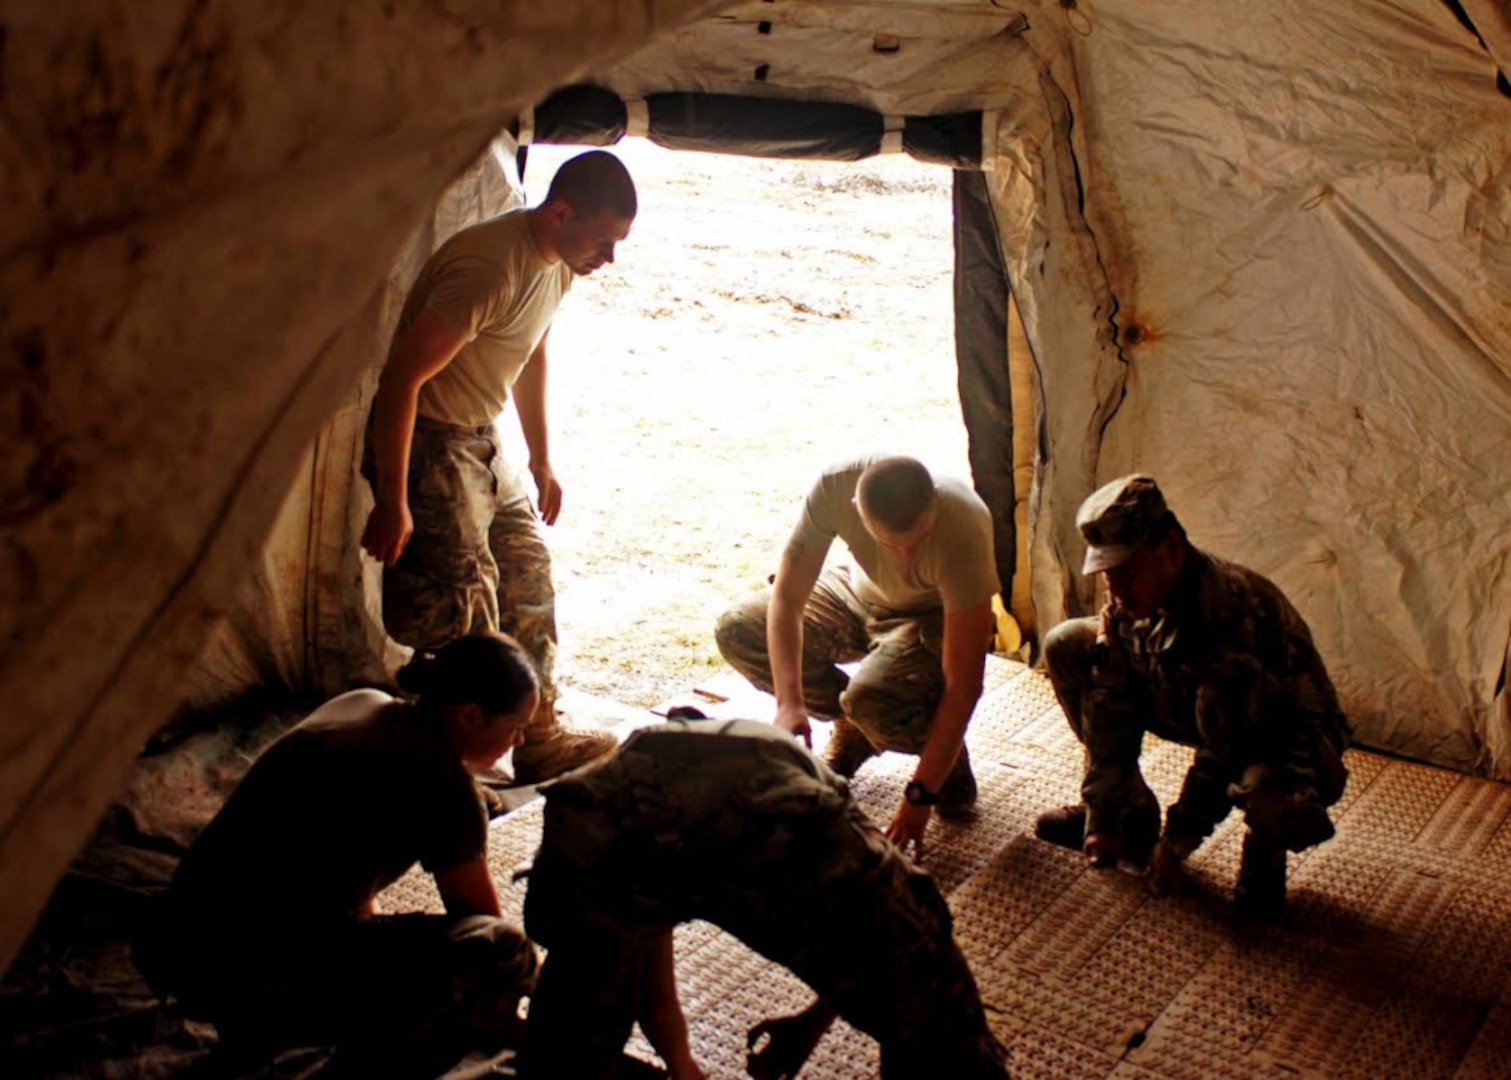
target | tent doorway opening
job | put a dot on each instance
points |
(764, 319)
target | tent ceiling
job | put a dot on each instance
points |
(904, 58)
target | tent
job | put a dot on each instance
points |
(1259, 250)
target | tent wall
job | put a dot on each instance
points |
(1024, 388)
(1490, 21)
(201, 205)
(1298, 276)
(308, 618)
(981, 357)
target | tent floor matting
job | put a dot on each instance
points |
(1394, 961)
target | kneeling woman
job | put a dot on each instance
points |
(269, 929)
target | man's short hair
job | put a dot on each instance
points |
(594, 182)
(895, 491)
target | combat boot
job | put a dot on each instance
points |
(1064, 825)
(848, 749)
(1138, 833)
(1260, 892)
(552, 748)
(957, 796)
(1130, 847)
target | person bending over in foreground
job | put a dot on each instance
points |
(915, 610)
(737, 824)
(1205, 653)
(269, 929)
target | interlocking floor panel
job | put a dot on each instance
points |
(1394, 961)
(1040, 1054)
(1467, 819)
(1490, 1056)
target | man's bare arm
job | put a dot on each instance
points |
(778, 1048)
(425, 348)
(530, 405)
(967, 637)
(799, 570)
(468, 889)
(661, 1016)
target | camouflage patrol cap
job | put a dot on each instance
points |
(1118, 519)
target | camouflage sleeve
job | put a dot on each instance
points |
(1230, 713)
(1202, 804)
(1264, 698)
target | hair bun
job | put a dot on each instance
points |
(486, 668)
(418, 676)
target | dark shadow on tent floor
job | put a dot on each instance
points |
(1395, 962)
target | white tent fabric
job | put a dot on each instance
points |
(1324, 379)
(308, 618)
(1308, 269)
(1260, 250)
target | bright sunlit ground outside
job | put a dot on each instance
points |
(764, 319)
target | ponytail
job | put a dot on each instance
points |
(487, 669)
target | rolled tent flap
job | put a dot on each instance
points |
(759, 127)
(981, 336)
(952, 139)
(577, 115)
(764, 127)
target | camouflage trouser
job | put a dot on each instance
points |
(892, 695)
(409, 988)
(477, 558)
(1284, 789)
(787, 863)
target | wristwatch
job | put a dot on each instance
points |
(918, 795)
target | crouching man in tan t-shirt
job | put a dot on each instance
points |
(914, 609)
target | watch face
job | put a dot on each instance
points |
(919, 795)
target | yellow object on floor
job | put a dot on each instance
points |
(1009, 635)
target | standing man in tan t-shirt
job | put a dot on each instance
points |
(915, 610)
(461, 546)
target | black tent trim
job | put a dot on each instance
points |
(757, 127)
(981, 358)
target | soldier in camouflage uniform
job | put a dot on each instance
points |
(460, 542)
(1209, 654)
(736, 824)
(914, 609)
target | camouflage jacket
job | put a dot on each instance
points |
(1230, 668)
(683, 813)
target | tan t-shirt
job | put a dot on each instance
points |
(953, 567)
(491, 282)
